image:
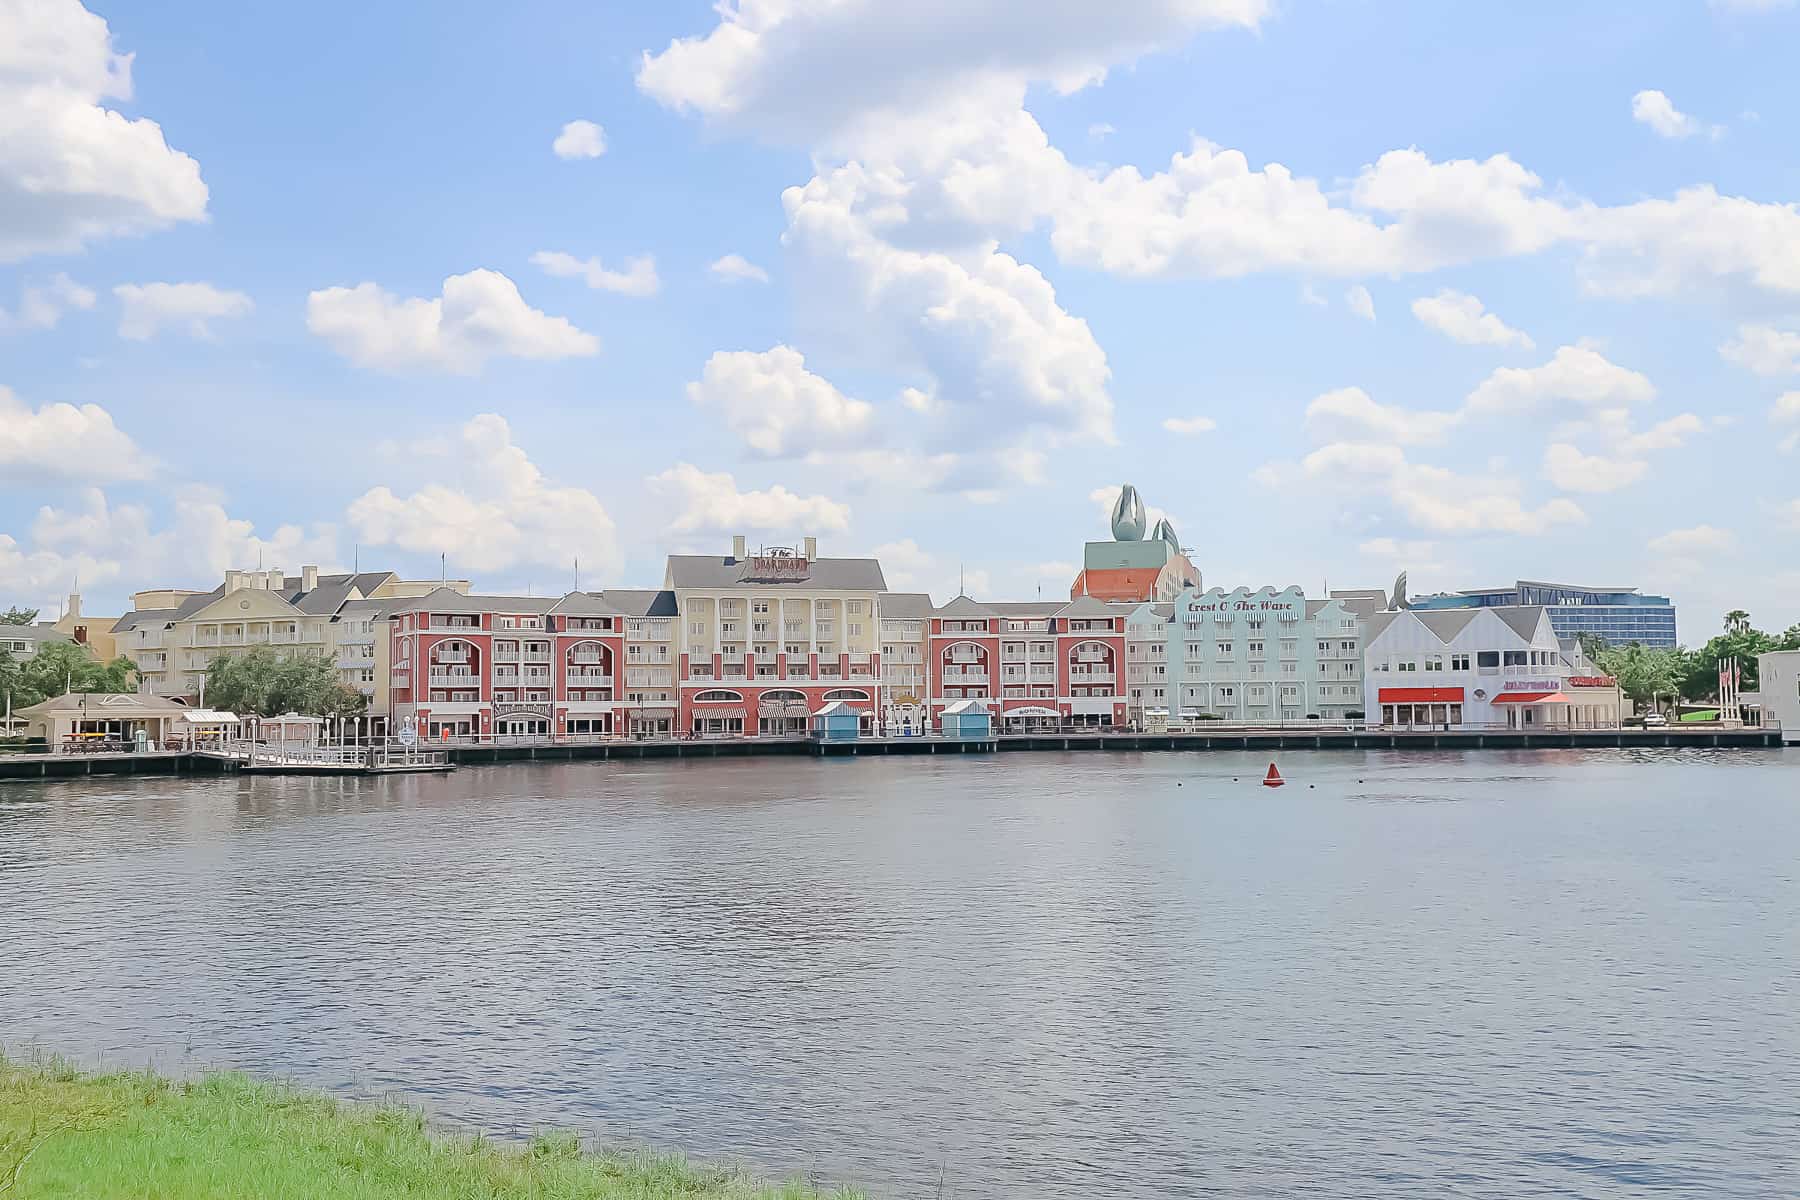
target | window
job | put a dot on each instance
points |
(1347, 647)
(1459, 662)
(761, 606)
(1406, 664)
(1487, 660)
(1434, 663)
(697, 628)
(1193, 649)
(1225, 648)
(855, 630)
(1256, 649)
(855, 608)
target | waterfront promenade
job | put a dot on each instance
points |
(471, 751)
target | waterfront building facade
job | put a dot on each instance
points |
(1268, 655)
(507, 666)
(172, 635)
(1778, 685)
(1033, 665)
(1468, 668)
(764, 640)
(905, 682)
(1617, 615)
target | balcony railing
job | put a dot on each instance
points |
(580, 677)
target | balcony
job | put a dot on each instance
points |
(965, 656)
(584, 678)
(964, 678)
(455, 655)
(458, 625)
(455, 679)
(587, 660)
(1090, 677)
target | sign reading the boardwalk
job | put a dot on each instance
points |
(776, 563)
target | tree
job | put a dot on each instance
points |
(260, 682)
(1740, 641)
(18, 616)
(1644, 674)
(1592, 645)
(61, 667)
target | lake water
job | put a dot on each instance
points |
(1498, 975)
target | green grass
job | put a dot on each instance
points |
(64, 1133)
(1711, 714)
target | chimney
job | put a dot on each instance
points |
(737, 548)
(812, 548)
(309, 578)
(234, 580)
(74, 610)
(272, 579)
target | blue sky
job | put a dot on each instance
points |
(980, 288)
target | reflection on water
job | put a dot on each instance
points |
(1497, 975)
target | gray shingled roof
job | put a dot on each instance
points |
(1448, 622)
(1521, 619)
(643, 602)
(586, 604)
(1084, 606)
(905, 606)
(1376, 623)
(962, 606)
(832, 574)
(1024, 608)
(142, 616)
(41, 634)
(445, 600)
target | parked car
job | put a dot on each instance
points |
(1655, 720)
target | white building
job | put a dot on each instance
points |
(1779, 686)
(1469, 668)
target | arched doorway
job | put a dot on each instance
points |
(781, 712)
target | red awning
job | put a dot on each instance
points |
(1425, 695)
(1531, 698)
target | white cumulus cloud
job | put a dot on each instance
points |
(1463, 318)
(42, 305)
(579, 139)
(478, 316)
(1188, 426)
(1655, 109)
(1360, 302)
(1764, 349)
(735, 268)
(776, 405)
(71, 170)
(1572, 471)
(699, 502)
(1695, 542)
(1351, 413)
(497, 512)
(60, 444)
(1574, 374)
(637, 279)
(146, 308)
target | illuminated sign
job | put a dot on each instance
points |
(1592, 681)
(1532, 685)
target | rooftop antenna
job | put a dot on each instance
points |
(576, 580)
(959, 580)
(356, 558)
(443, 568)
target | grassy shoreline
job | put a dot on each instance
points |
(69, 1133)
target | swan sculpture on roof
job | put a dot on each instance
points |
(1128, 520)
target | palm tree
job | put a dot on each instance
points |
(1737, 621)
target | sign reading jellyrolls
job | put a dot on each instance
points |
(1532, 685)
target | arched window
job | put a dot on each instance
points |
(717, 694)
(845, 694)
(786, 695)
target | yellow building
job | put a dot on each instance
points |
(173, 635)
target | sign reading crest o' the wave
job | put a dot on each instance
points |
(1265, 602)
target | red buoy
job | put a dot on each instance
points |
(1273, 778)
